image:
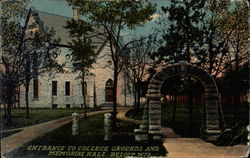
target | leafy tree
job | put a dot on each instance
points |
(207, 33)
(82, 51)
(26, 51)
(184, 33)
(184, 36)
(108, 20)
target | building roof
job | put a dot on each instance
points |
(57, 22)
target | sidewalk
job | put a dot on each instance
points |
(178, 147)
(197, 148)
(32, 132)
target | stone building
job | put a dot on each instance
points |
(64, 90)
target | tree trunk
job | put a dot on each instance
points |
(10, 94)
(125, 91)
(94, 96)
(236, 100)
(211, 56)
(135, 96)
(27, 99)
(84, 97)
(114, 127)
(237, 82)
(9, 106)
(9, 115)
(5, 110)
(115, 94)
(27, 82)
(191, 111)
(174, 109)
(85, 105)
(138, 96)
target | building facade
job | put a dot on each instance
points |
(64, 89)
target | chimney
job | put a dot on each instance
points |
(75, 14)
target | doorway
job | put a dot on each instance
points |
(109, 91)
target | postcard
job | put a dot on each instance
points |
(124, 79)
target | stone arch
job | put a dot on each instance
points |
(210, 125)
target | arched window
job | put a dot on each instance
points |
(109, 63)
(84, 88)
(109, 83)
(109, 91)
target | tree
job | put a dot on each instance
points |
(26, 51)
(226, 33)
(203, 32)
(111, 18)
(236, 22)
(137, 63)
(184, 36)
(184, 33)
(82, 51)
(38, 46)
(220, 27)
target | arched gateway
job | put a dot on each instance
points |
(151, 124)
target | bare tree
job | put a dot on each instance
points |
(26, 51)
(137, 63)
(112, 18)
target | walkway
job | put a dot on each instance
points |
(197, 148)
(177, 147)
(193, 147)
(29, 133)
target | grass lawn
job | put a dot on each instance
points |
(91, 134)
(38, 116)
(182, 125)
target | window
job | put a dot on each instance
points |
(54, 87)
(34, 65)
(67, 88)
(35, 88)
(67, 56)
(55, 55)
(54, 106)
(84, 88)
(67, 106)
(109, 63)
(109, 91)
(109, 83)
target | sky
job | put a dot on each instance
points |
(60, 7)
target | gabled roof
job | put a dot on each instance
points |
(57, 22)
